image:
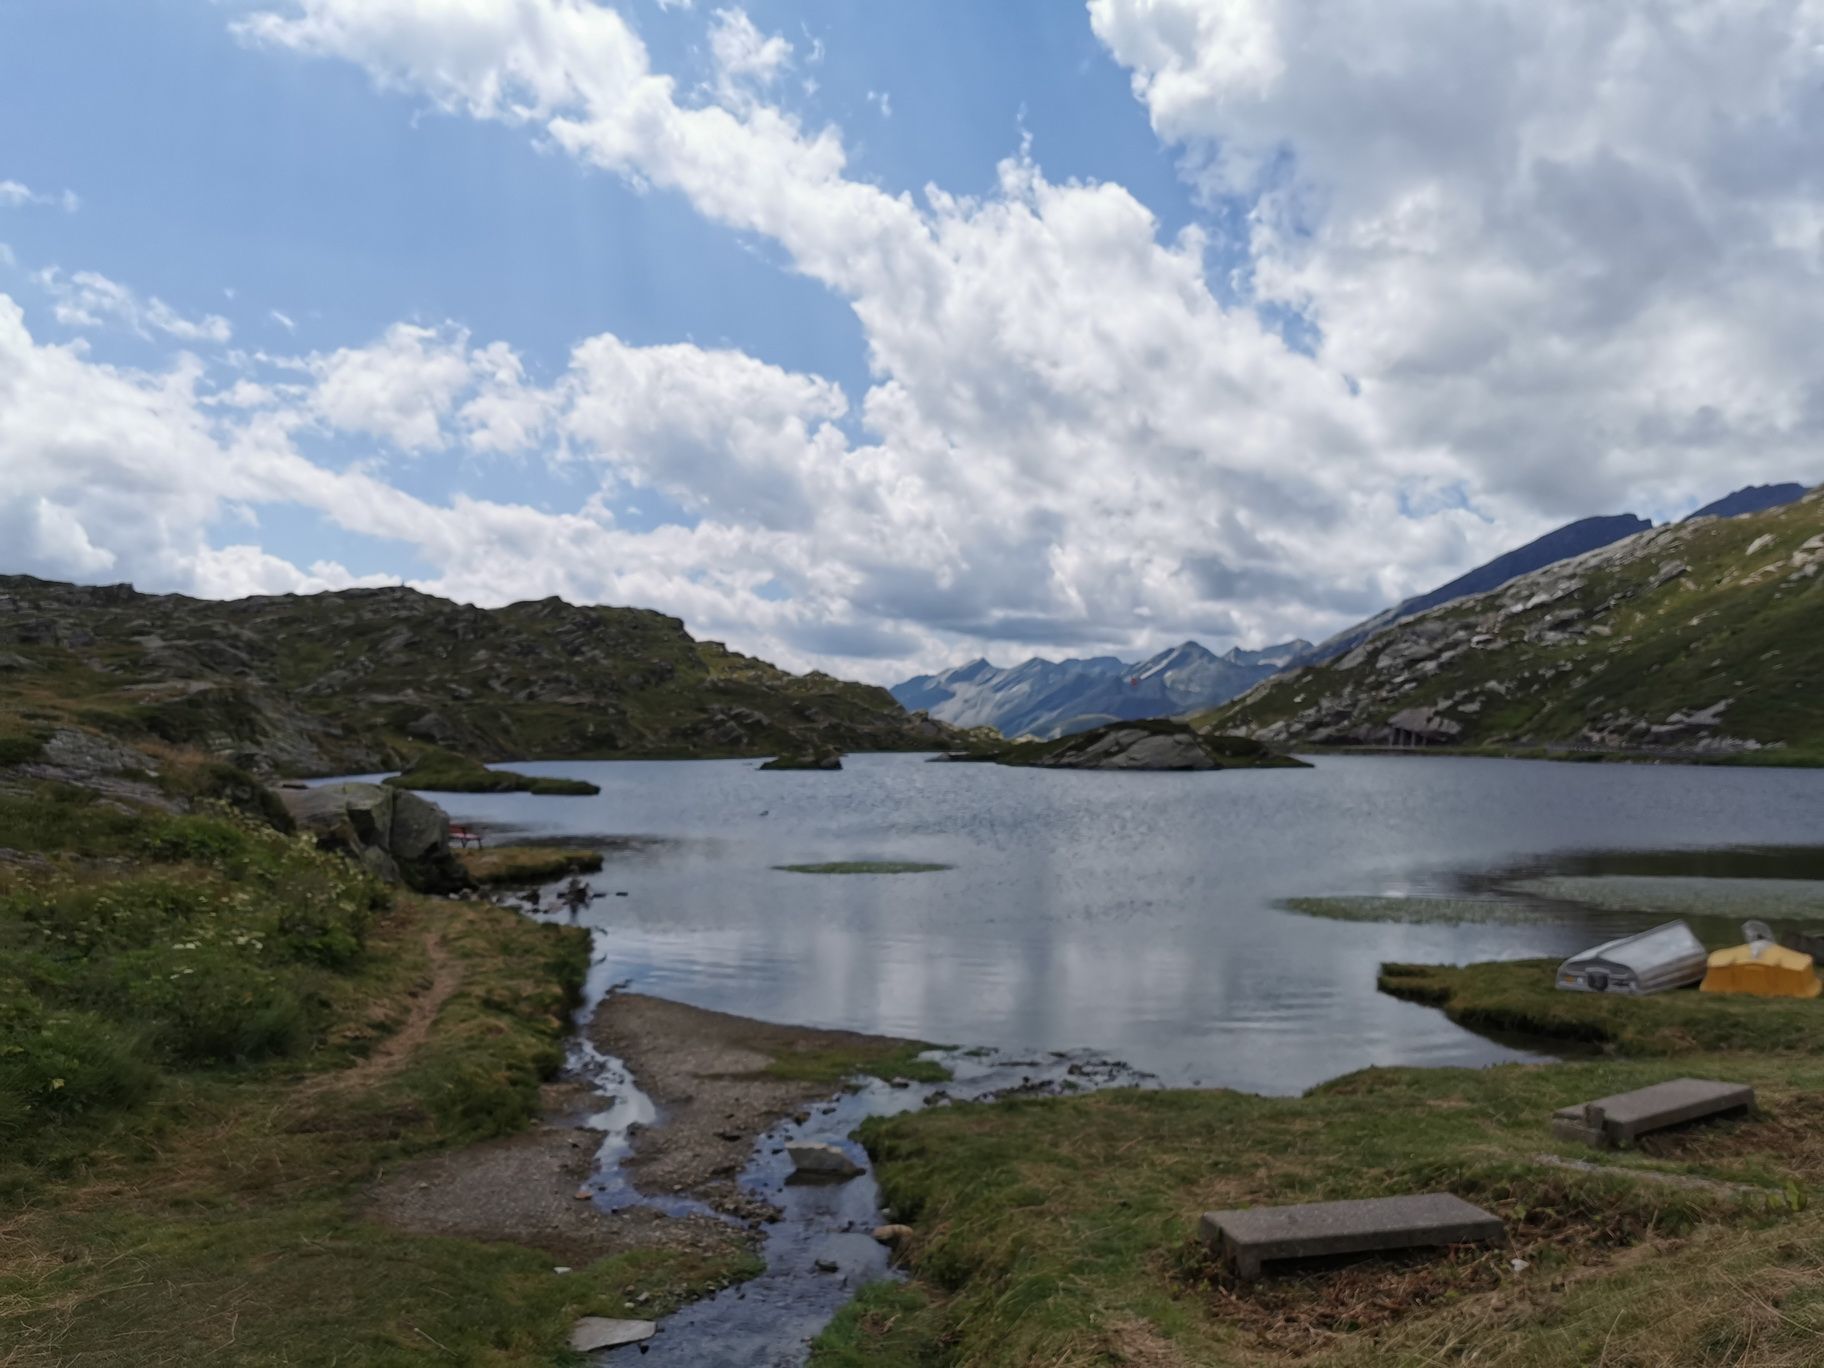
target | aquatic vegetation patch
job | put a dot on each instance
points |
(885, 1059)
(865, 867)
(1414, 911)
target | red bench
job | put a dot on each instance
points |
(463, 837)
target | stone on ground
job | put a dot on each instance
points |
(1257, 1235)
(599, 1332)
(1627, 1116)
(397, 835)
(815, 1160)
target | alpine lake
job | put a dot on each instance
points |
(1210, 929)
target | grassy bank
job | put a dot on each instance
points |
(441, 771)
(1062, 1231)
(1517, 997)
(212, 1038)
(527, 864)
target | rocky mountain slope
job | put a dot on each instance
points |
(349, 681)
(1046, 699)
(1706, 636)
(1573, 539)
(1751, 499)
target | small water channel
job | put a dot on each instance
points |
(821, 1249)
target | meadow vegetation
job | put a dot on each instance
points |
(213, 1037)
(1062, 1230)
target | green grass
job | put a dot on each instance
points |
(888, 1060)
(1061, 1231)
(527, 863)
(887, 1325)
(181, 1163)
(306, 1285)
(20, 749)
(1520, 997)
(441, 771)
(865, 867)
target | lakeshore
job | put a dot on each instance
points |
(475, 1134)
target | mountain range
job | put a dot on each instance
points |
(1046, 698)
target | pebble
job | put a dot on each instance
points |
(828, 1266)
(582, 1194)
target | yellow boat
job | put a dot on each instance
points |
(1764, 969)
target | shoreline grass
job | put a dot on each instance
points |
(180, 1182)
(1518, 997)
(1061, 1230)
(512, 864)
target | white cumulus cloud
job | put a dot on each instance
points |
(1541, 262)
(88, 299)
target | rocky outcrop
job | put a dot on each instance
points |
(828, 760)
(1156, 744)
(394, 833)
(1130, 748)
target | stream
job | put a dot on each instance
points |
(769, 1321)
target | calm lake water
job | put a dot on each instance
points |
(1132, 914)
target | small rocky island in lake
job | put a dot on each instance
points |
(1152, 744)
(816, 760)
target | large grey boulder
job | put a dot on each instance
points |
(822, 1161)
(399, 836)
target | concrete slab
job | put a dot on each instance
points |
(1258, 1235)
(593, 1333)
(1627, 1116)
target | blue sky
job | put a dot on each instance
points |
(1200, 283)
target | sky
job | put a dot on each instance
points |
(874, 338)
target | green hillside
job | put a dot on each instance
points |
(358, 679)
(1700, 639)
